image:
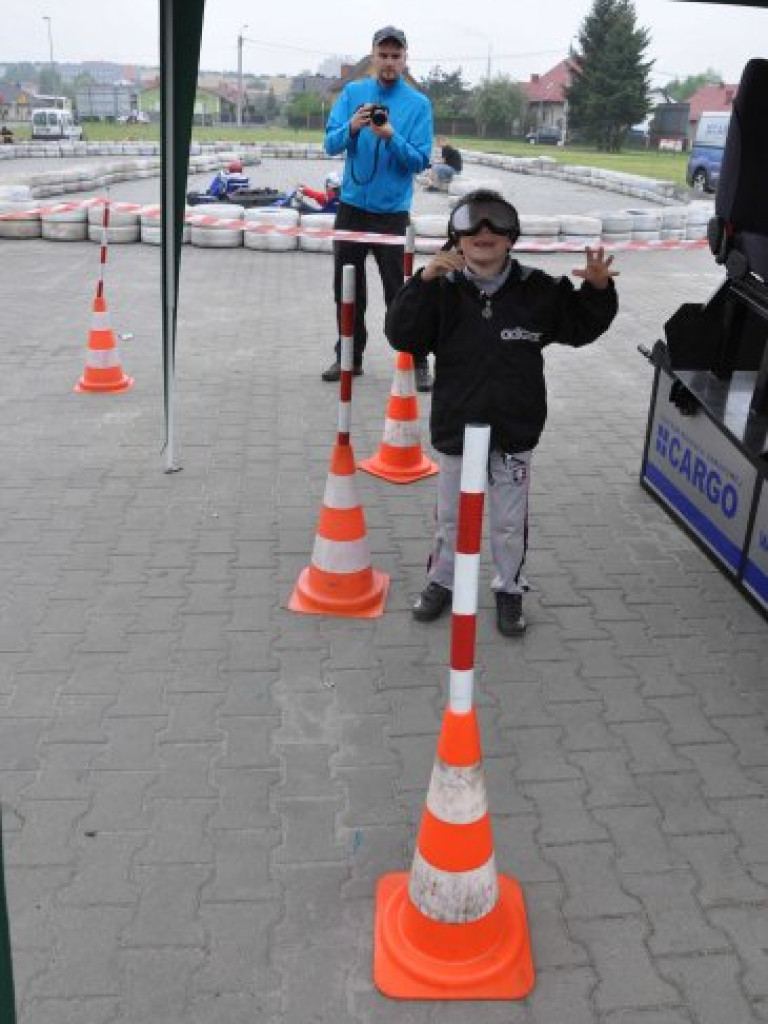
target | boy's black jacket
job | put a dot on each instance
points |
(490, 369)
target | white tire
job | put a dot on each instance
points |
(645, 220)
(216, 238)
(25, 222)
(280, 217)
(591, 227)
(120, 214)
(71, 215)
(616, 223)
(431, 225)
(119, 235)
(64, 231)
(319, 221)
(429, 246)
(538, 226)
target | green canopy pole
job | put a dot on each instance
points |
(181, 28)
(7, 996)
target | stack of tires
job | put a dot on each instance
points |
(66, 222)
(320, 222)
(221, 226)
(276, 217)
(123, 226)
(431, 231)
(20, 220)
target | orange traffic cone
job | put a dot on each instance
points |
(400, 458)
(103, 371)
(339, 580)
(454, 929)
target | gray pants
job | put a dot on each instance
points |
(508, 481)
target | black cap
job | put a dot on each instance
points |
(390, 32)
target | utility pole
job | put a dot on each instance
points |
(240, 77)
(488, 65)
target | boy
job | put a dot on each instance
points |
(487, 319)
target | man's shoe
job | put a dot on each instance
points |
(423, 378)
(431, 602)
(509, 614)
(333, 373)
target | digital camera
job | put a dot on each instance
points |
(379, 114)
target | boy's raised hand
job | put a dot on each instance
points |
(598, 271)
(442, 263)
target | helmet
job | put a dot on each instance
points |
(332, 182)
(235, 167)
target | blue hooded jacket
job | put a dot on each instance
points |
(383, 183)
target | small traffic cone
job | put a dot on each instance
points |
(103, 371)
(340, 580)
(454, 929)
(400, 458)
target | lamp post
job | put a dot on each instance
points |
(46, 18)
(240, 76)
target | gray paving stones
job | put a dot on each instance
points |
(201, 789)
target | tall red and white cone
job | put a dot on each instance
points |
(103, 371)
(454, 928)
(400, 458)
(340, 580)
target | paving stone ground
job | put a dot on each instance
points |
(201, 789)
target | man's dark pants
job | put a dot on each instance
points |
(389, 259)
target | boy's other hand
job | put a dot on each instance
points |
(443, 263)
(598, 271)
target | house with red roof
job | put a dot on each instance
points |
(546, 97)
(714, 99)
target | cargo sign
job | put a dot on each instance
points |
(701, 476)
(756, 569)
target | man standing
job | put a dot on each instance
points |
(384, 128)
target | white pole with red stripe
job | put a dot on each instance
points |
(410, 251)
(104, 246)
(474, 476)
(346, 331)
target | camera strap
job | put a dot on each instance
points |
(372, 175)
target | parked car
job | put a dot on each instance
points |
(135, 117)
(546, 136)
(703, 170)
(50, 123)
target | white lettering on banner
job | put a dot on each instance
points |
(697, 470)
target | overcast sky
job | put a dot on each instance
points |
(520, 36)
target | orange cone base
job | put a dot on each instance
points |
(121, 385)
(417, 958)
(377, 466)
(309, 599)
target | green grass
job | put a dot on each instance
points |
(649, 163)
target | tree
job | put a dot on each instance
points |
(610, 79)
(303, 108)
(447, 91)
(497, 101)
(682, 90)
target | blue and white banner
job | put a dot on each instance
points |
(696, 471)
(756, 569)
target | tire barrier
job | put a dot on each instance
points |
(66, 225)
(228, 225)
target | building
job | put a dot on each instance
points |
(712, 98)
(101, 102)
(545, 96)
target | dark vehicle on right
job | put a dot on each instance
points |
(547, 135)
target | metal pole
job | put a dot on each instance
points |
(240, 77)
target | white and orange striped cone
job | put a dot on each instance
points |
(454, 928)
(340, 580)
(400, 458)
(103, 371)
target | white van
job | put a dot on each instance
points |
(703, 171)
(52, 123)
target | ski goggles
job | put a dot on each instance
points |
(498, 216)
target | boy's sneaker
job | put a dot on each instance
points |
(431, 602)
(509, 614)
